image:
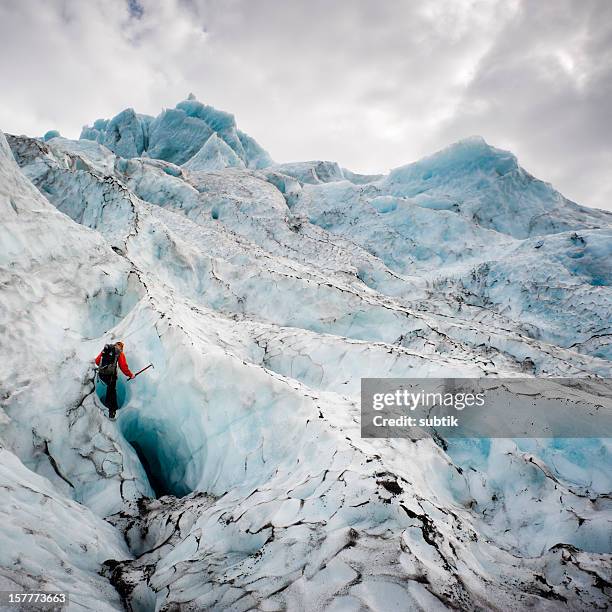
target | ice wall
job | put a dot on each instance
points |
(177, 135)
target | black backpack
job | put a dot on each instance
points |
(108, 363)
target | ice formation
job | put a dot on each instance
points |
(235, 477)
(176, 135)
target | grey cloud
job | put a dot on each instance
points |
(544, 91)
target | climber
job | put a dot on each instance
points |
(107, 361)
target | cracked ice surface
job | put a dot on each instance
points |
(262, 293)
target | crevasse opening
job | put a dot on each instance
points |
(163, 450)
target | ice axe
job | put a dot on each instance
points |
(141, 371)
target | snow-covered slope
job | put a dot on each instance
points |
(235, 477)
(215, 154)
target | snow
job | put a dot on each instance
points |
(557, 287)
(312, 172)
(235, 476)
(52, 543)
(215, 154)
(492, 190)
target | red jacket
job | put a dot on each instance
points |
(122, 362)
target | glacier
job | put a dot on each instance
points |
(235, 476)
(175, 135)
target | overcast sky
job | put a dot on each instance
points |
(370, 84)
